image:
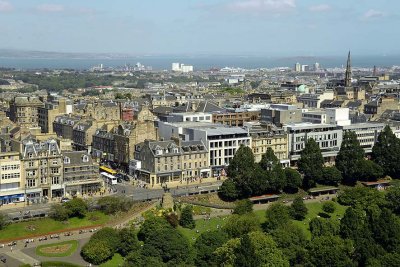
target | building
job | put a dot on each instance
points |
(11, 182)
(337, 116)
(82, 134)
(181, 68)
(127, 135)
(81, 175)
(236, 118)
(48, 112)
(163, 162)
(263, 138)
(41, 168)
(367, 133)
(103, 145)
(315, 100)
(280, 114)
(188, 116)
(328, 137)
(297, 67)
(24, 111)
(63, 125)
(100, 111)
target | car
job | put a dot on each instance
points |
(126, 178)
(3, 259)
(119, 180)
(65, 199)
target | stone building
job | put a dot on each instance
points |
(100, 111)
(24, 111)
(48, 112)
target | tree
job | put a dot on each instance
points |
(368, 170)
(311, 163)
(206, 244)
(293, 181)
(59, 213)
(298, 209)
(349, 156)
(386, 152)
(291, 240)
(393, 199)
(352, 223)
(77, 207)
(331, 176)
(329, 207)
(111, 204)
(151, 225)
(97, 252)
(225, 254)
(238, 225)
(241, 169)
(109, 235)
(277, 215)
(361, 196)
(323, 227)
(258, 249)
(276, 175)
(386, 230)
(228, 190)
(269, 160)
(128, 241)
(243, 206)
(3, 221)
(330, 251)
(173, 219)
(187, 220)
(169, 245)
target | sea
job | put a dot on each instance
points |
(199, 62)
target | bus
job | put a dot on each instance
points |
(110, 179)
(107, 170)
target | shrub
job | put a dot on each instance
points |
(173, 219)
(187, 218)
(243, 206)
(3, 221)
(97, 252)
(111, 205)
(329, 207)
(77, 207)
(59, 213)
(298, 209)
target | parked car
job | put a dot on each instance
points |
(65, 199)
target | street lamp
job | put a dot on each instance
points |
(26, 199)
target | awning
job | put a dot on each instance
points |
(11, 196)
(205, 170)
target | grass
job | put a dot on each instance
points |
(313, 209)
(66, 248)
(115, 261)
(202, 226)
(48, 225)
(58, 264)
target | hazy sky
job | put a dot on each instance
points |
(240, 27)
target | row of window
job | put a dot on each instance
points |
(10, 167)
(10, 176)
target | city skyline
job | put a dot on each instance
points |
(230, 27)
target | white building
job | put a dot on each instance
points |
(314, 100)
(367, 133)
(11, 186)
(328, 137)
(176, 67)
(222, 141)
(337, 116)
(182, 68)
(190, 116)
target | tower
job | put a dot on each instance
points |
(347, 78)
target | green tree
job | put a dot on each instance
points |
(228, 190)
(293, 181)
(186, 219)
(111, 204)
(241, 169)
(393, 199)
(323, 227)
(298, 209)
(330, 251)
(77, 207)
(3, 221)
(109, 235)
(225, 254)
(386, 152)
(243, 206)
(331, 176)
(291, 240)
(386, 230)
(368, 170)
(361, 196)
(59, 213)
(269, 160)
(276, 215)
(352, 223)
(329, 206)
(128, 241)
(276, 175)
(349, 156)
(311, 163)
(97, 252)
(151, 225)
(238, 225)
(258, 249)
(173, 219)
(206, 244)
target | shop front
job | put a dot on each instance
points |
(11, 198)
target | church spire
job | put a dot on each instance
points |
(347, 79)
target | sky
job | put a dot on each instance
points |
(203, 27)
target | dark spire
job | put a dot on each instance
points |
(347, 79)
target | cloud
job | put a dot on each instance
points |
(262, 5)
(320, 8)
(50, 8)
(5, 6)
(372, 13)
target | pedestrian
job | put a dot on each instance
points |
(11, 248)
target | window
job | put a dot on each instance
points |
(54, 170)
(55, 162)
(67, 160)
(55, 180)
(43, 180)
(31, 182)
(85, 158)
(30, 164)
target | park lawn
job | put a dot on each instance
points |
(72, 246)
(202, 226)
(58, 264)
(313, 209)
(115, 261)
(48, 225)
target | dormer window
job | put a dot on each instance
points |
(67, 160)
(85, 158)
(159, 152)
(175, 150)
